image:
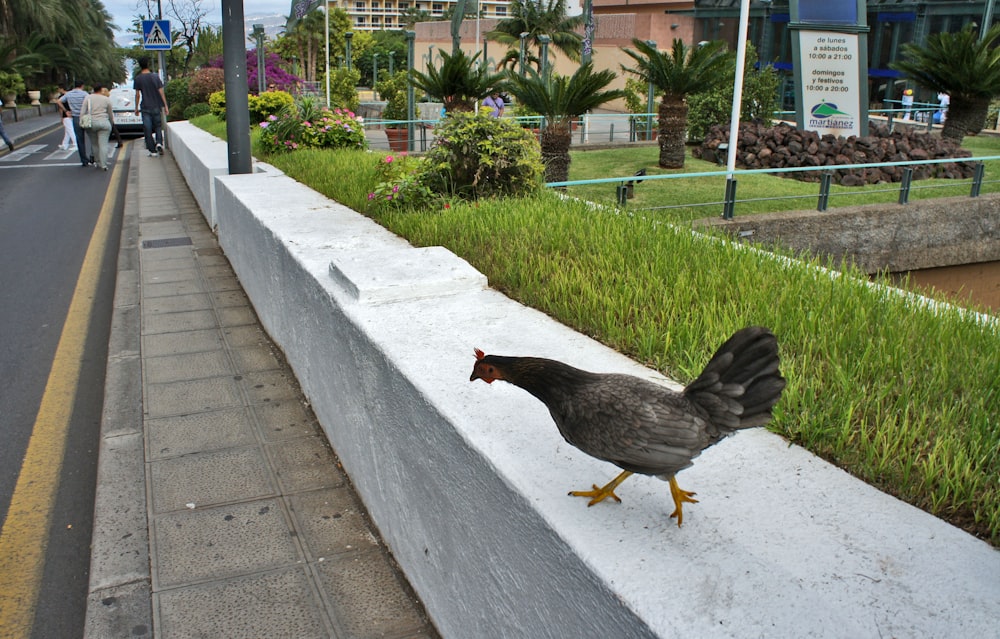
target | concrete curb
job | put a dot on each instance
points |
(118, 603)
(467, 483)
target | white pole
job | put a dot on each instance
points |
(741, 61)
(328, 54)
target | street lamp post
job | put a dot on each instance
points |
(374, 70)
(523, 52)
(544, 41)
(347, 48)
(258, 34)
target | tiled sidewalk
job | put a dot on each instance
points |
(254, 530)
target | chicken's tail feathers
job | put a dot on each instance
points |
(741, 383)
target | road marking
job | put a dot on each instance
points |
(24, 537)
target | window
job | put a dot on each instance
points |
(437, 9)
(375, 20)
(359, 6)
(403, 6)
(359, 21)
(374, 6)
(501, 12)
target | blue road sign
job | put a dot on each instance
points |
(156, 35)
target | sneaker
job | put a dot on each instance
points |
(10, 145)
(159, 149)
(151, 154)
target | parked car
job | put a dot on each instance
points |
(123, 109)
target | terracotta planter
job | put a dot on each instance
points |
(397, 139)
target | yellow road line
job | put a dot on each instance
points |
(24, 536)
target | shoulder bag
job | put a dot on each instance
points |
(86, 119)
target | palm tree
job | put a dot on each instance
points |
(538, 18)
(682, 72)
(962, 65)
(560, 100)
(459, 82)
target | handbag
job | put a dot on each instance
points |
(86, 119)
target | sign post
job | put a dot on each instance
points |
(830, 55)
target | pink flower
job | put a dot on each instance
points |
(307, 123)
(395, 188)
(272, 117)
(263, 125)
(371, 196)
(388, 197)
(388, 159)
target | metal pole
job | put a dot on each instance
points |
(543, 42)
(392, 63)
(650, 101)
(410, 105)
(734, 118)
(237, 102)
(258, 32)
(347, 48)
(328, 54)
(588, 32)
(524, 35)
(160, 55)
(374, 72)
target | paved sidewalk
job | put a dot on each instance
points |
(214, 474)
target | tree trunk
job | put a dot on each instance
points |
(965, 116)
(673, 131)
(555, 141)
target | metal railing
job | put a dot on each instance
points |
(625, 185)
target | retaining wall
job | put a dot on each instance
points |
(467, 482)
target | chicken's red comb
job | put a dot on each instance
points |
(479, 354)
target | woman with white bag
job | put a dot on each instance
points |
(96, 112)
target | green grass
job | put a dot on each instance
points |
(901, 395)
(760, 189)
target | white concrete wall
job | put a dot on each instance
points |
(467, 482)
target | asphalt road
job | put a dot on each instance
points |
(49, 208)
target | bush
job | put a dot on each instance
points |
(343, 88)
(178, 97)
(268, 103)
(477, 156)
(205, 82)
(760, 100)
(305, 125)
(197, 109)
(392, 89)
(399, 185)
(217, 102)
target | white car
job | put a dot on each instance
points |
(123, 109)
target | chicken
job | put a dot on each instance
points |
(644, 427)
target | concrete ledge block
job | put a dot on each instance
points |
(467, 482)
(385, 276)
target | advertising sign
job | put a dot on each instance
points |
(831, 86)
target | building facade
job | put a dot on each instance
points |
(375, 15)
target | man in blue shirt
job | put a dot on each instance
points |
(150, 99)
(71, 103)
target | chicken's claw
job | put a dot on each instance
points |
(680, 497)
(598, 495)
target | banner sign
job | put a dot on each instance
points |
(829, 75)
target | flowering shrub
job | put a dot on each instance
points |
(399, 185)
(268, 103)
(305, 125)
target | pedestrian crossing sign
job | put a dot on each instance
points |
(156, 35)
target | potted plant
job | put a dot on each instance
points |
(11, 84)
(393, 90)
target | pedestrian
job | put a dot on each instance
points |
(495, 103)
(907, 103)
(98, 106)
(114, 129)
(69, 134)
(6, 138)
(151, 100)
(71, 103)
(944, 101)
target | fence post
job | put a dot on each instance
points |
(621, 193)
(977, 179)
(730, 202)
(904, 185)
(824, 191)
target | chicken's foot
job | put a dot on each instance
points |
(680, 497)
(598, 495)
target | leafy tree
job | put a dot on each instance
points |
(962, 65)
(307, 41)
(412, 15)
(715, 106)
(459, 82)
(677, 74)
(538, 18)
(560, 100)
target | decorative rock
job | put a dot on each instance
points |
(760, 147)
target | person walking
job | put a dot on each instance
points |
(71, 103)
(495, 103)
(5, 137)
(151, 100)
(69, 134)
(98, 106)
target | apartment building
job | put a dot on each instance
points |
(374, 15)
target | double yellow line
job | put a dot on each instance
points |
(24, 537)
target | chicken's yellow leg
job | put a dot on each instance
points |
(598, 495)
(680, 496)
